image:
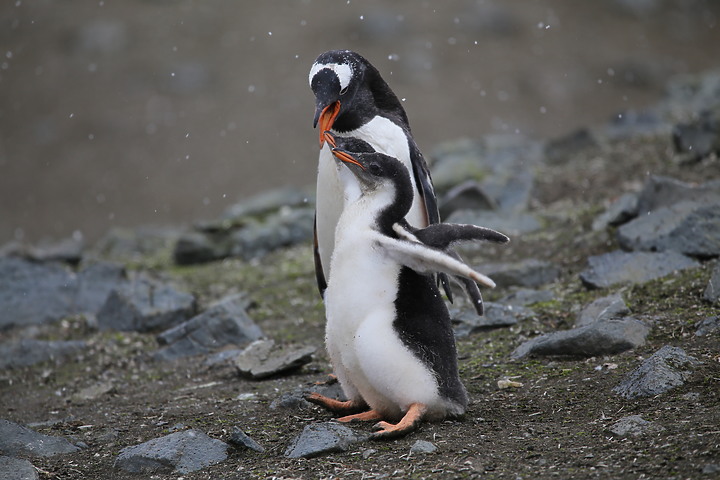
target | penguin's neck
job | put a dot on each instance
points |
(378, 209)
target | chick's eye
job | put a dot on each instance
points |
(375, 169)
(344, 91)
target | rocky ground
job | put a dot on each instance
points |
(170, 353)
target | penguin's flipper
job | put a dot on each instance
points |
(424, 259)
(442, 235)
(470, 287)
(319, 274)
(421, 172)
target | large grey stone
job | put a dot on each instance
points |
(604, 337)
(243, 440)
(17, 440)
(186, 451)
(261, 359)
(17, 469)
(321, 438)
(95, 283)
(707, 326)
(660, 191)
(666, 369)
(619, 212)
(26, 352)
(632, 267)
(687, 227)
(145, 305)
(604, 308)
(225, 323)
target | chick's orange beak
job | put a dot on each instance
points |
(329, 138)
(327, 118)
(346, 157)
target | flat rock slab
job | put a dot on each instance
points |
(496, 316)
(686, 227)
(606, 337)
(632, 267)
(17, 440)
(183, 452)
(36, 293)
(224, 323)
(666, 369)
(261, 360)
(17, 469)
(26, 352)
(708, 326)
(145, 305)
(604, 308)
(634, 426)
(321, 438)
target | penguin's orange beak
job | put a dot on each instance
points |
(327, 118)
(346, 157)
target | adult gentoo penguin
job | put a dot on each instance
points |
(351, 98)
(388, 332)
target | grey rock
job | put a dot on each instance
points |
(93, 392)
(248, 239)
(510, 223)
(268, 202)
(708, 326)
(712, 291)
(701, 136)
(605, 337)
(186, 451)
(295, 400)
(496, 315)
(125, 245)
(604, 308)
(620, 211)
(95, 283)
(560, 150)
(26, 352)
(526, 273)
(666, 369)
(225, 323)
(527, 296)
(634, 426)
(660, 191)
(423, 447)
(260, 360)
(17, 469)
(17, 440)
(632, 267)
(711, 468)
(242, 440)
(68, 250)
(469, 195)
(34, 293)
(145, 305)
(321, 438)
(687, 227)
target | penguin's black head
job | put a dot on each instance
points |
(348, 144)
(335, 78)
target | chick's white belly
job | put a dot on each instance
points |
(368, 356)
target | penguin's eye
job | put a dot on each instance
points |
(344, 91)
(374, 169)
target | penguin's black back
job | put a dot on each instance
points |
(423, 324)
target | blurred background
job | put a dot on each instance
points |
(160, 112)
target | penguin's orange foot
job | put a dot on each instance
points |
(360, 417)
(333, 405)
(409, 422)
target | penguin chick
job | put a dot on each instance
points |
(388, 332)
(353, 99)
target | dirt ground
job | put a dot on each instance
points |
(554, 426)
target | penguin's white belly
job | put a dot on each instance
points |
(384, 136)
(368, 356)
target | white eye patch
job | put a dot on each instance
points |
(342, 70)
